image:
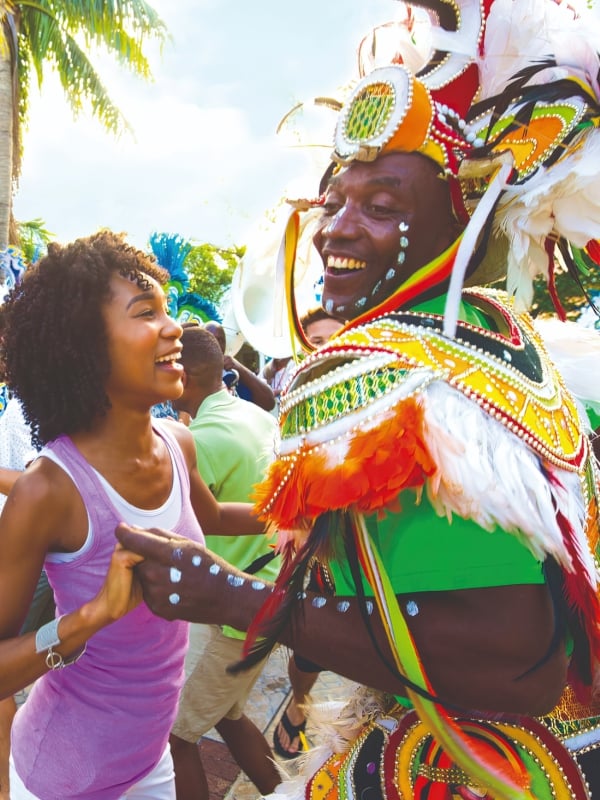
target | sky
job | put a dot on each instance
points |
(204, 160)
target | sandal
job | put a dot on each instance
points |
(294, 732)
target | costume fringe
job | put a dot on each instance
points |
(378, 463)
(334, 725)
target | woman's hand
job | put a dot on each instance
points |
(121, 591)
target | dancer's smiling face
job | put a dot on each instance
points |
(382, 220)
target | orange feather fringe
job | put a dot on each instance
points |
(379, 463)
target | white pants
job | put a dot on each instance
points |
(157, 785)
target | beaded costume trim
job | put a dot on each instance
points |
(510, 377)
(396, 758)
(482, 423)
(575, 724)
(357, 426)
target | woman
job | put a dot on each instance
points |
(89, 348)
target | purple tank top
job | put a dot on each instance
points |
(95, 728)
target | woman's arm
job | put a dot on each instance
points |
(8, 478)
(44, 512)
(222, 519)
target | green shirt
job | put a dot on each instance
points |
(234, 444)
(423, 552)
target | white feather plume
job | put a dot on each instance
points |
(488, 474)
(576, 352)
(562, 201)
(520, 33)
(334, 725)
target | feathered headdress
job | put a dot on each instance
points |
(508, 104)
(504, 97)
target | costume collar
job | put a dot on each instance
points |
(435, 273)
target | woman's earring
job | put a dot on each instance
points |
(403, 228)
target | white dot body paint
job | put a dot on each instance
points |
(412, 609)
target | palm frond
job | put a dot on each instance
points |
(48, 43)
(7, 10)
(97, 21)
(33, 239)
(36, 33)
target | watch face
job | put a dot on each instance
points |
(371, 116)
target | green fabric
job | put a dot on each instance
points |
(425, 552)
(594, 418)
(466, 313)
(234, 444)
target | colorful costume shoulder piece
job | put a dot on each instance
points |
(394, 404)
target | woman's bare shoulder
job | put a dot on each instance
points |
(45, 503)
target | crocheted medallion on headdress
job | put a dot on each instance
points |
(391, 109)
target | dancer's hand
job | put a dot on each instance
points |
(181, 579)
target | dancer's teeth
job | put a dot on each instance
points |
(335, 262)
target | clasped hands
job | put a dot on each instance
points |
(181, 579)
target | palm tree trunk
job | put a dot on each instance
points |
(6, 146)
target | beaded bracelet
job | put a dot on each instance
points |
(47, 638)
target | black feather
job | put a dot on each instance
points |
(574, 273)
(524, 99)
(281, 608)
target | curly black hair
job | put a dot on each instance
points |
(54, 341)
